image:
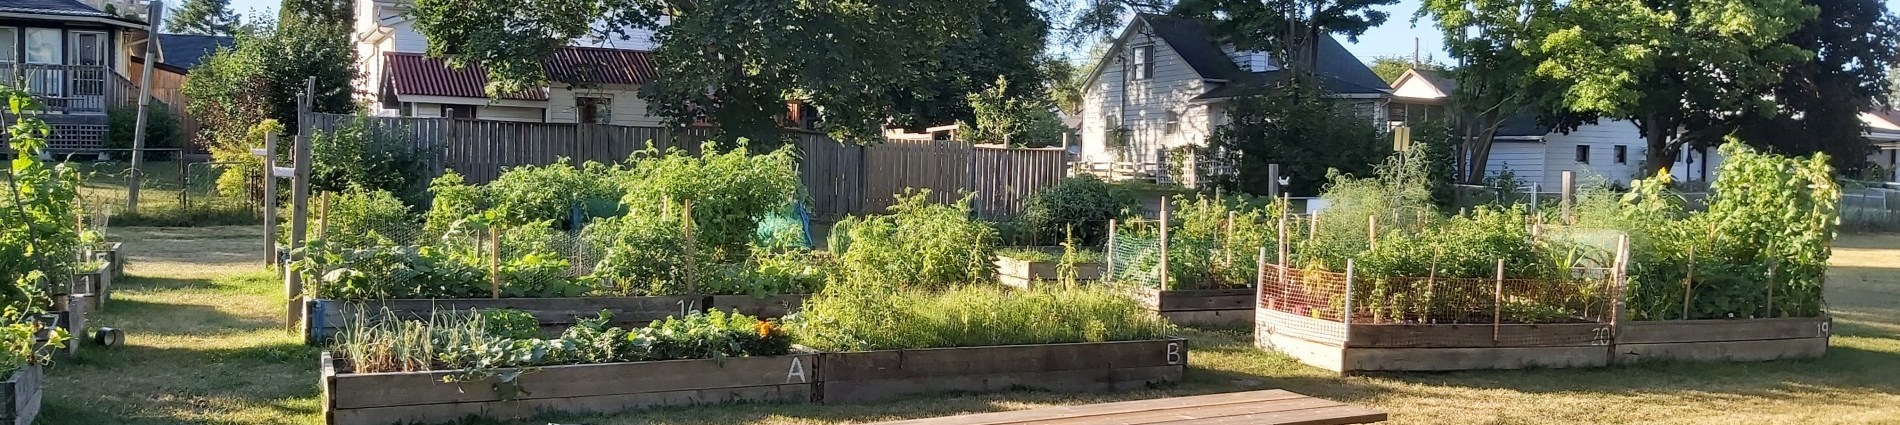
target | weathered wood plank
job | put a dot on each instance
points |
(1473, 335)
(1735, 351)
(1101, 410)
(518, 409)
(1722, 330)
(1225, 318)
(1318, 354)
(1255, 407)
(764, 307)
(1203, 299)
(1084, 367)
(1075, 381)
(365, 390)
(1439, 359)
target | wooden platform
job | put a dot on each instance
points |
(1254, 407)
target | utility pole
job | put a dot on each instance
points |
(154, 9)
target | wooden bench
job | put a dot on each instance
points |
(1253, 407)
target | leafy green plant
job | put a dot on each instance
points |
(767, 273)
(552, 193)
(358, 218)
(482, 343)
(161, 131)
(511, 323)
(359, 154)
(920, 244)
(727, 191)
(38, 232)
(642, 253)
(873, 316)
(1084, 203)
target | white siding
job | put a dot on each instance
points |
(1417, 88)
(1602, 138)
(1524, 159)
(1155, 111)
(628, 108)
(511, 113)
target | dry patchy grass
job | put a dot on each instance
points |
(204, 348)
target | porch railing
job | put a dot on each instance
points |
(72, 89)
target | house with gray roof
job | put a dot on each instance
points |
(1164, 83)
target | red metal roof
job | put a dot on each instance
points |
(415, 74)
(593, 65)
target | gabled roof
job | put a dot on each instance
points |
(1435, 78)
(65, 8)
(415, 74)
(184, 51)
(1193, 41)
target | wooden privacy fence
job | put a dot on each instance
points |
(840, 178)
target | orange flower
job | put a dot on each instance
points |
(765, 329)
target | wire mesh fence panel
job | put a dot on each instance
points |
(1133, 261)
(1310, 303)
(171, 193)
(1870, 210)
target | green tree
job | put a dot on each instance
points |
(1001, 118)
(1298, 128)
(1674, 68)
(259, 79)
(1005, 40)
(338, 12)
(1390, 67)
(1499, 78)
(206, 17)
(737, 62)
(1291, 28)
(1854, 44)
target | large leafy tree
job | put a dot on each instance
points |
(206, 17)
(259, 78)
(1299, 128)
(1675, 68)
(737, 62)
(1819, 100)
(1292, 28)
(337, 12)
(1004, 41)
(1497, 41)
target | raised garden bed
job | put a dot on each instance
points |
(1723, 340)
(110, 253)
(760, 306)
(20, 395)
(96, 283)
(1231, 307)
(327, 317)
(1025, 272)
(1080, 367)
(423, 397)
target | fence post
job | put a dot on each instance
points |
(494, 262)
(1372, 232)
(1771, 286)
(692, 284)
(1688, 290)
(300, 203)
(1352, 269)
(1108, 256)
(1273, 180)
(1497, 304)
(1260, 279)
(1619, 282)
(270, 199)
(1164, 244)
(1569, 189)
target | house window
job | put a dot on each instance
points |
(1583, 154)
(9, 44)
(1622, 154)
(466, 112)
(1145, 62)
(43, 46)
(408, 109)
(593, 110)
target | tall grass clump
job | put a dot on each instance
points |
(878, 317)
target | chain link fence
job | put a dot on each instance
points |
(171, 193)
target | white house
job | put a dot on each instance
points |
(595, 80)
(1609, 149)
(1164, 82)
(1883, 129)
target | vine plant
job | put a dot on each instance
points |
(37, 234)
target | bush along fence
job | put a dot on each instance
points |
(1616, 279)
(839, 178)
(1194, 263)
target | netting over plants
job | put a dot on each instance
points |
(1210, 243)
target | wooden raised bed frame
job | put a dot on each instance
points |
(1022, 273)
(1221, 307)
(555, 314)
(422, 397)
(20, 395)
(1405, 347)
(1079, 367)
(406, 397)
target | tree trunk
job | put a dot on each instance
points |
(1479, 151)
(1663, 147)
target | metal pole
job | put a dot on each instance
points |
(1273, 180)
(152, 13)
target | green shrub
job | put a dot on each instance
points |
(162, 131)
(453, 201)
(360, 218)
(920, 244)
(868, 316)
(712, 335)
(1083, 204)
(511, 323)
(642, 253)
(361, 154)
(550, 193)
(728, 191)
(390, 272)
(479, 343)
(768, 273)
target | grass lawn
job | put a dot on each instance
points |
(205, 346)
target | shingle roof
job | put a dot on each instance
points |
(1443, 82)
(56, 7)
(186, 50)
(415, 74)
(1195, 43)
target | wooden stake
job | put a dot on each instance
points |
(1164, 244)
(1372, 232)
(1772, 262)
(1688, 282)
(1351, 271)
(494, 262)
(1431, 282)
(1108, 257)
(323, 216)
(692, 284)
(1497, 305)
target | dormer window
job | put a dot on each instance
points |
(1250, 60)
